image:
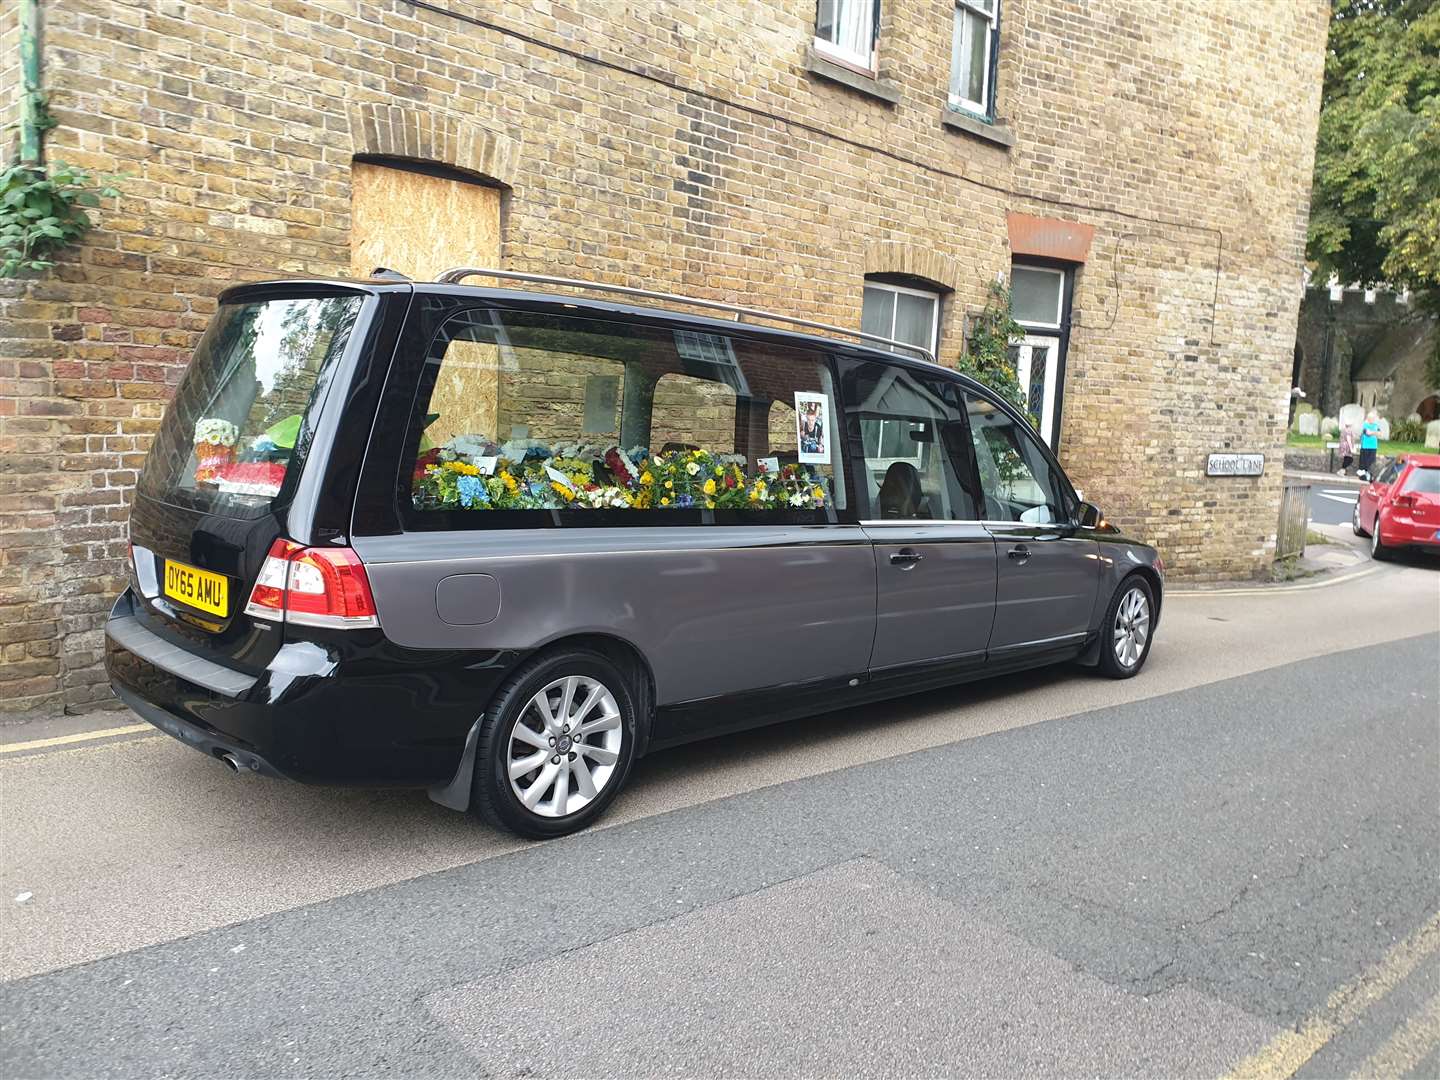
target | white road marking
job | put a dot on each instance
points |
(1347, 500)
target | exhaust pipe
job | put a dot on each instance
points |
(229, 760)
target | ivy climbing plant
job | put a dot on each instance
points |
(987, 356)
(42, 209)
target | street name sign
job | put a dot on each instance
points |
(1235, 465)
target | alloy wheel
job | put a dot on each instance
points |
(564, 746)
(1132, 627)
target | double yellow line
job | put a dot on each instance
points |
(1405, 1049)
(78, 737)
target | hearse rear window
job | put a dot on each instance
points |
(524, 418)
(236, 428)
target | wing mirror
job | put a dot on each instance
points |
(1088, 516)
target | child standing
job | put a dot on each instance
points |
(1347, 449)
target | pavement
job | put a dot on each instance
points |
(1227, 863)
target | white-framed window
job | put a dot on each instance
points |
(1037, 295)
(902, 314)
(845, 30)
(972, 48)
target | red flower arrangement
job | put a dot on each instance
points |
(424, 461)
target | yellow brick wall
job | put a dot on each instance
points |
(675, 146)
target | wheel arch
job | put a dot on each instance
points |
(1091, 656)
(625, 655)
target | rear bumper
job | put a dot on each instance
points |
(320, 713)
(207, 742)
(1397, 531)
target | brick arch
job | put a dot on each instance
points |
(912, 260)
(398, 131)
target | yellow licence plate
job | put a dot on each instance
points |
(198, 588)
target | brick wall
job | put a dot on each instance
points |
(683, 147)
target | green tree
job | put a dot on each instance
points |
(1375, 206)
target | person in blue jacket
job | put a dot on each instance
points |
(1369, 444)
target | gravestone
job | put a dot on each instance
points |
(1352, 416)
(1432, 434)
(1329, 427)
(1302, 410)
(1413, 418)
(1384, 429)
(1308, 423)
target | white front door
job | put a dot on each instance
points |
(1036, 358)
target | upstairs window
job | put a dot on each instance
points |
(845, 30)
(902, 314)
(972, 54)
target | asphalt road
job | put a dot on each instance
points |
(1332, 504)
(1228, 863)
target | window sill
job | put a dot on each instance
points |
(879, 89)
(998, 134)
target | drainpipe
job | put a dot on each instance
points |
(30, 99)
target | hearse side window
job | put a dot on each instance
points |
(911, 431)
(528, 419)
(1018, 481)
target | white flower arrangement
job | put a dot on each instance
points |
(216, 431)
(574, 449)
(605, 497)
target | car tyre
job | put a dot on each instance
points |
(1127, 632)
(573, 774)
(1355, 520)
(1378, 550)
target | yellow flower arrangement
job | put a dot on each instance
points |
(510, 482)
(669, 485)
(464, 468)
(665, 502)
(709, 487)
(646, 477)
(563, 491)
(818, 495)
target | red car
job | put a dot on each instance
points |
(1401, 506)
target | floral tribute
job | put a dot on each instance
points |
(214, 447)
(472, 474)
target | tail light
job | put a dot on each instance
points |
(313, 587)
(1404, 503)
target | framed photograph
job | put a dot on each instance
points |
(812, 427)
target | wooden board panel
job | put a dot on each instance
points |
(420, 225)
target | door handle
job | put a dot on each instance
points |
(1019, 553)
(905, 559)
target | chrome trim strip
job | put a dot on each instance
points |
(1040, 643)
(458, 274)
(928, 522)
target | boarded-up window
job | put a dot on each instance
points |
(420, 224)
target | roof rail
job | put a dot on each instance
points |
(460, 273)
